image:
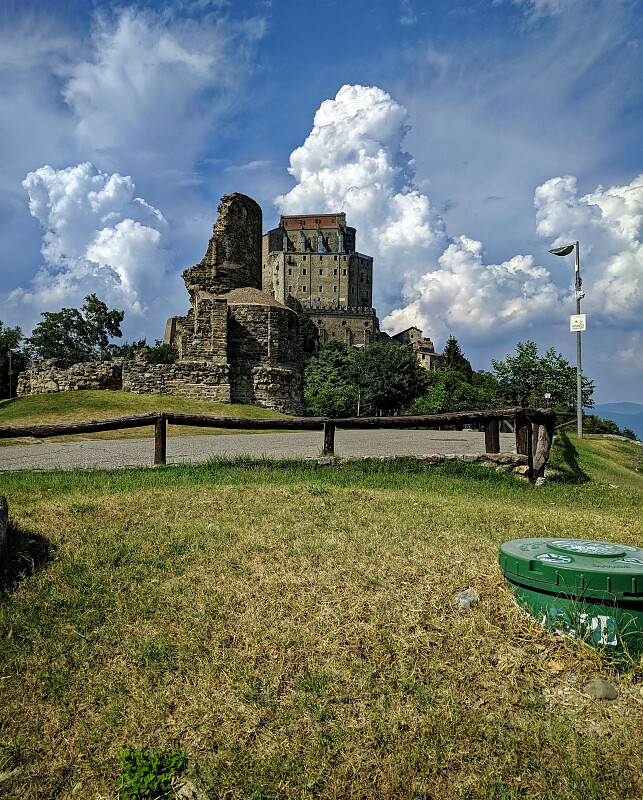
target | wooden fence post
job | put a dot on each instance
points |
(492, 436)
(329, 439)
(160, 439)
(524, 440)
(543, 447)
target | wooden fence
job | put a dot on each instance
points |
(534, 428)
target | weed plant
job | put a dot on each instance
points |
(292, 629)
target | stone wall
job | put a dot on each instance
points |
(45, 377)
(356, 327)
(199, 380)
(202, 335)
(333, 280)
(264, 335)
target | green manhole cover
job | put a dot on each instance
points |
(583, 588)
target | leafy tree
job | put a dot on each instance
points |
(10, 339)
(453, 359)
(307, 328)
(629, 433)
(389, 377)
(72, 336)
(328, 388)
(162, 353)
(159, 354)
(125, 350)
(526, 377)
(598, 425)
(434, 399)
(449, 391)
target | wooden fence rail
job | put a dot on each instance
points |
(534, 428)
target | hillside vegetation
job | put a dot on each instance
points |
(293, 630)
(101, 404)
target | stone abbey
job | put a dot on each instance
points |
(313, 258)
(239, 342)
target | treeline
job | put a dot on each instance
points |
(72, 336)
(388, 379)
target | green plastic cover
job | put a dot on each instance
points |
(579, 567)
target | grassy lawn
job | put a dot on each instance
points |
(293, 629)
(78, 406)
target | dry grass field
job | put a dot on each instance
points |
(293, 630)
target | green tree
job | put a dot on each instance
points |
(328, 387)
(449, 391)
(453, 359)
(597, 425)
(72, 336)
(160, 353)
(10, 339)
(388, 377)
(526, 377)
(307, 328)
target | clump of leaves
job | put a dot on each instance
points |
(148, 775)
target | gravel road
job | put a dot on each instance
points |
(114, 453)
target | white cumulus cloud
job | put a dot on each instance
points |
(607, 223)
(463, 294)
(148, 73)
(98, 237)
(353, 161)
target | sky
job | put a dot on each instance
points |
(463, 140)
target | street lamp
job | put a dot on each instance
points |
(565, 250)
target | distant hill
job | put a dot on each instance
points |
(625, 415)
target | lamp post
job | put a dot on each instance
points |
(565, 250)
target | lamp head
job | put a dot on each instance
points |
(565, 250)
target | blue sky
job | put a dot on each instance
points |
(463, 140)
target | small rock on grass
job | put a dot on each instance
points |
(190, 792)
(466, 599)
(600, 689)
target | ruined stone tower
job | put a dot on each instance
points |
(233, 258)
(247, 340)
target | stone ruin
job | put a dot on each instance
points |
(236, 344)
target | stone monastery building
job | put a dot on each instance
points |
(312, 257)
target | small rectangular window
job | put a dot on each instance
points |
(334, 272)
(303, 272)
(303, 288)
(343, 272)
(304, 258)
(321, 271)
(334, 288)
(335, 258)
(290, 271)
(290, 289)
(320, 288)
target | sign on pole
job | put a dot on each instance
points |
(577, 322)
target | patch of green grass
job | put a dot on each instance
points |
(293, 630)
(39, 409)
(148, 775)
(595, 459)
